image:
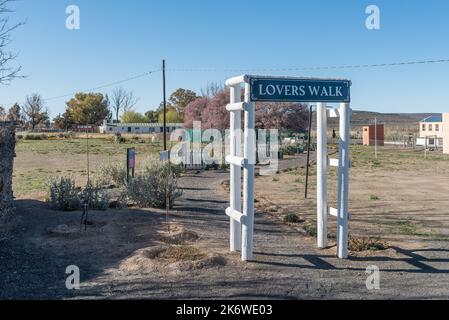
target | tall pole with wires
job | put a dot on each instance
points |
(309, 133)
(165, 104)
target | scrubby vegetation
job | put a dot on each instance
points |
(292, 218)
(112, 174)
(63, 194)
(156, 184)
(291, 149)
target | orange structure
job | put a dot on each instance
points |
(369, 135)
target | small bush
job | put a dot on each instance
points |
(310, 230)
(112, 174)
(96, 196)
(292, 218)
(157, 182)
(35, 137)
(119, 139)
(374, 198)
(366, 244)
(291, 149)
(66, 135)
(63, 194)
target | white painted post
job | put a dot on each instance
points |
(322, 175)
(248, 187)
(343, 181)
(236, 171)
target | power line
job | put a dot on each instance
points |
(106, 85)
(99, 87)
(359, 66)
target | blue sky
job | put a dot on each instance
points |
(119, 39)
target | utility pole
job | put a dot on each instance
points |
(165, 105)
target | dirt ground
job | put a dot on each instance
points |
(400, 198)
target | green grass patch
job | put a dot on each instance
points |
(406, 228)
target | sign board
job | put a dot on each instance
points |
(272, 89)
(130, 162)
(131, 158)
(165, 155)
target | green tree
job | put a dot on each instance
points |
(152, 116)
(180, 99)
(88, 108)
(172, 116)
(133, 117)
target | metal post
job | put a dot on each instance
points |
(322, 175)
(248, 186)
(308, 151)
(375, 137)
(165, 104)
(343, 182)
(236, 171)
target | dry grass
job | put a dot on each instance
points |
(182, 253)
(367, 244)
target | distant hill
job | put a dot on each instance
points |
(362, 118)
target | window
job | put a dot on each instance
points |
(437, 127)
(423, 127)
(430, 127)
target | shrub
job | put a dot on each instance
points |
(97, 197)
(157, 182)
(66, 135)
(119, 139)
(112, 173)
(63, 194)
(292, 218)
(35, 137)
(310, 230)
(367, 244)
(291, 149)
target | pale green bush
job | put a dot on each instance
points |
(112, 174)
(156, 183)
(62, 194)
(96, 196)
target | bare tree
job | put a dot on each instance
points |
(7, 72)
(34, 110)
(122, 101)
(211, 90)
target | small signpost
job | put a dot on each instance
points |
(164, 156)
(286, 89)
(130, 162)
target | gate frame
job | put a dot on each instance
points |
(242, 221)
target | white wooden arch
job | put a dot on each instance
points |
(241, 211)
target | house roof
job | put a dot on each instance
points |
(437, 118)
